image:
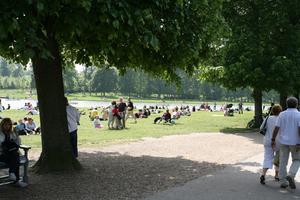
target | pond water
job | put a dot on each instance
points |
(19, 103)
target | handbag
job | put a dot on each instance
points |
(9, 145)
(264, 128)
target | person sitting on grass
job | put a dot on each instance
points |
(93, 114)
(31, 126)
(10, 156)
(33, 112)
(21, 128)
(166, 117)
(97, 123)
(176, 114)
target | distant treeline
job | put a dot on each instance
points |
(107, 80)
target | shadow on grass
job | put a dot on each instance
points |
(251, 134)
(110, 175)
(238, 130)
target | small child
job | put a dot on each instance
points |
(97, 123)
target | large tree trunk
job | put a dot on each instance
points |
(257, 95)
(56, 148)
(283, 97)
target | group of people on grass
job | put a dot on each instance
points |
(116, 114)
(281, 139)
(27, 126)
(171, 118)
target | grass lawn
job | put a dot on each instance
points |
(201, 121)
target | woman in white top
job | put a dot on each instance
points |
(110, 115)
(269, 153)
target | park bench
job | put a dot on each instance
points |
(24, 161)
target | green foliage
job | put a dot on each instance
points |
(104, 80)
(70, 77)
(132, 83)
(157, 36)
(264, 44)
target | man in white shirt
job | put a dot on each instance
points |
(73, 117)
(288, 127)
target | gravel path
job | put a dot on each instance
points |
(139, 169)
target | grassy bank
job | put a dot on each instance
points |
(201, 121)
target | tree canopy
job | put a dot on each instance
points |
(261, 50)
(264, 43)
(157, 36)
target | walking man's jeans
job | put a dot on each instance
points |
(73, 136)
(283, 161)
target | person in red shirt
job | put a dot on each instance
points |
(116, 117)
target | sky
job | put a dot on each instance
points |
(79, 68)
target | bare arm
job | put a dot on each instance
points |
(275, 133)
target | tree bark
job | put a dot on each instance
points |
(257, 95)
(283, 97)
(56, 148)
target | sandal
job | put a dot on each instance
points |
(262, 180)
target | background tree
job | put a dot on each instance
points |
(104, 80)
(260, 52)
(70, 78)
(4, 68)
(127, 82)
(18, 71)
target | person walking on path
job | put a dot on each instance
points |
(73, 117)
(268, 150)
(130, 108)
(288, 127)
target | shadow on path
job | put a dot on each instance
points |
(111, 176)
(239, 181)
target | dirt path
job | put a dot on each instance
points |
(201, 147)
(138, 169)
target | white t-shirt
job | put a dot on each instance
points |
(288, 122)
(96, 122)
(271, 122)
(73, 118)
